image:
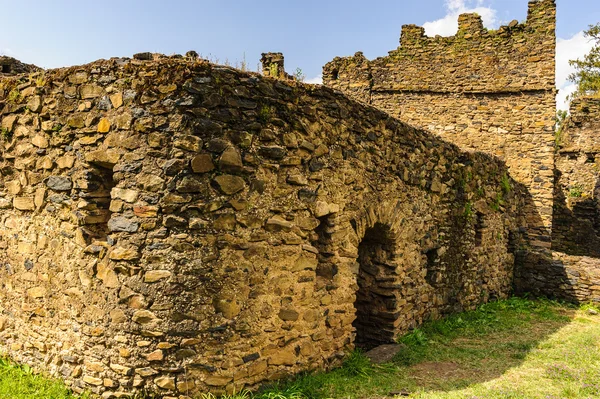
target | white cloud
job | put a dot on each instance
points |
(448, 25)
(568, 49)
(318, 80)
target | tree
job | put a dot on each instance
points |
(587, 70)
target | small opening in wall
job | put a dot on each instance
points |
(325, 268)
(335, 74)
(591, 158)
(5, 68)
(376, 302)
(96, 211)
(432, 266)
(479, 226)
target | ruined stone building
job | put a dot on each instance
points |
(184, 227)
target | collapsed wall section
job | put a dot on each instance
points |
(184, 227)
(577, 188)
(572, 269)
(490, 91)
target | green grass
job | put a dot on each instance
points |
(19, 382)
(513, 349)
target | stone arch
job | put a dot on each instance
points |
(385, 257)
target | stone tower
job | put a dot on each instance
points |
(484, 90)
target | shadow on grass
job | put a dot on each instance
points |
(442, 356)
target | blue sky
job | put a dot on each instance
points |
(310, 33)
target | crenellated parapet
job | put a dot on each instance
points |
(516, 57)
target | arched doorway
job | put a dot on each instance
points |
(378, 287)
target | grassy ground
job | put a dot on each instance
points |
(19, 382)
(512, 349)
(506, 350)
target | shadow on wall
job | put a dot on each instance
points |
(571, 271)
(576, 221)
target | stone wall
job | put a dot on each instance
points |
(12, 66)
(572, 270)
(576, 209)
(185, 227)
(491, 91)
(558, 275)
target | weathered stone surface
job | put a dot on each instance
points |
(119, 223)
(152, 276)
(312, 223)
(228, 307)
(24, 203)
(90, 91)
(9, 121)
(35, 104)
(192, 184)
(225, 222)
(230, 184)
(145, 211)
(217, 381)
(202, 163)
(92, 380)
(277, 223)
(59, 183)
(104, 158)
(151, 182)
(118, 316)
(124, 194)
(324, 209)
(288, 315)
(121, 253)
(104, 126)
(144, 317)
(174, 166)
(190, 143)
(156, 356)
(116, 100)
(36, 292)
(230, 161)
(40, 141)
(285, 357)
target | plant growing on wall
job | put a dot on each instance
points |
(5, 134)
(576, 191)
(299, 75)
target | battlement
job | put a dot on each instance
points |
(470, 24)
(541, 16)
(514, 58)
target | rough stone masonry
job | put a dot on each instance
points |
(183, 227)
(494, 91)
(490, 91)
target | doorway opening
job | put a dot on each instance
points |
(376, 299)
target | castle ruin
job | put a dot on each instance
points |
(184, 227)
